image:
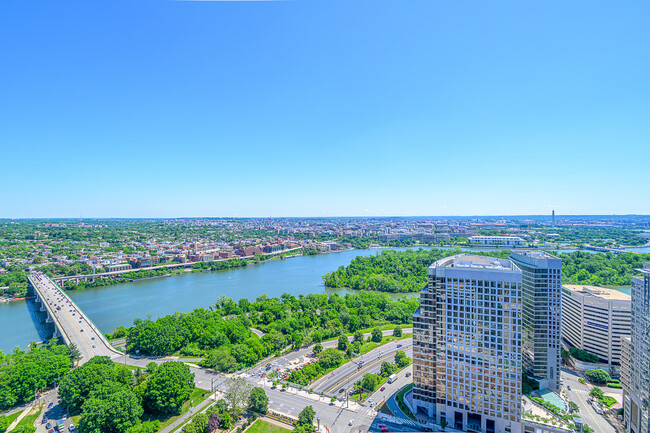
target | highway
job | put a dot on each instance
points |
(70, 320)
(349, 373)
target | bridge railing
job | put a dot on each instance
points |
(58, 325)
(90, 322)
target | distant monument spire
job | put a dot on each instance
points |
(553, 218)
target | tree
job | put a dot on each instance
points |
(370, 381)
(587, 429)
(597, 376)
(397, 332)
(358, 336)
(596, 393)
(214, 422)
(168, 387)
(258, 402)
(4, 423)
(318, 348)
(114, 414)
(573, 407)
(401, 360)
(225, 420)
(443, 423)
(330, 358)
(75, 355)
(343, 343)
(297, 339)
(199, 424)
(377, 335)
(75, 387)
(238, 392)
(387, 369)
(306, 417)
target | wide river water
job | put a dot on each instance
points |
(112, 306)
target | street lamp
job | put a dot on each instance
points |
(318, 419)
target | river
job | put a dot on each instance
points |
(112, 306)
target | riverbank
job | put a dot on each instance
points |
(23, 298)
(122, 303)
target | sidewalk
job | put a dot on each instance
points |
(190, 413)
(28, 410)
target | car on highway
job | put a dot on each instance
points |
(399, 345)
(408, 374)
(94, 346)
(568, 387)
(351, 422)
(341, 390)
(81, 330)
(382, 388)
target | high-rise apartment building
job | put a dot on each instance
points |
(541, 315)
(467, 359)
(635, 366)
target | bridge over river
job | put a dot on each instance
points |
(70, 323)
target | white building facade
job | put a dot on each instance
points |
(467, 352)
(592, 316)
(496, 241)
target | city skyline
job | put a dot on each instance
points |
(323, 109)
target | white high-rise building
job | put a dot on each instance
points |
(635, 372)
(541, 315)
(467, 351)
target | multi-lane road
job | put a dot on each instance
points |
(579, 394)
(70, 320)
(368, 363)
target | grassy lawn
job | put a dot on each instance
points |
(261, 426)
(608, 401)
(384, 409)
(386, 327)
(196, 397)
(12, 418)
(28, 420)
(400, 400)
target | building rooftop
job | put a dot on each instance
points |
(535, 254)
(598, 292)
(473, 261)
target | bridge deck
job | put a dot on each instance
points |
(72, 323)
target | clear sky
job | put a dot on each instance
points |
(323, 108)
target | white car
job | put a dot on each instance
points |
(351, 422)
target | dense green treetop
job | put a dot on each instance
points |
(168, 388)
(391, 271)
(601, 269)
(406, 271)
(21, 373)
(223, 336)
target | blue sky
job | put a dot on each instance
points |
(323, 108)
